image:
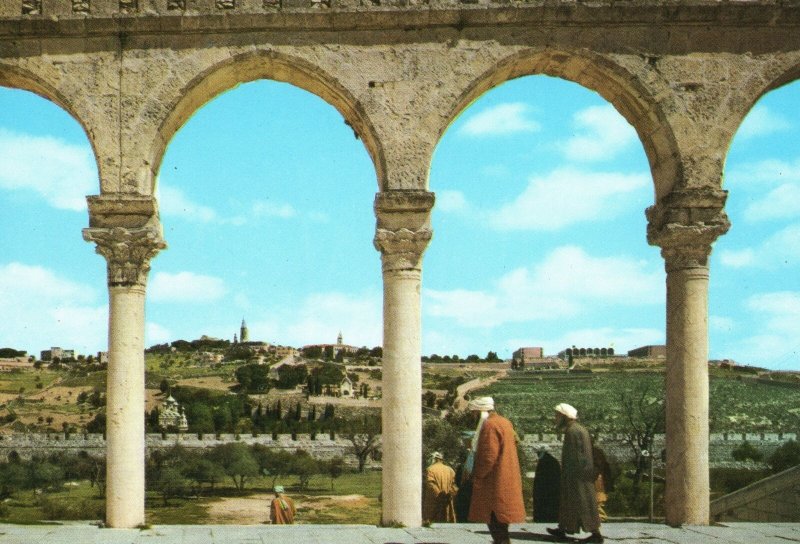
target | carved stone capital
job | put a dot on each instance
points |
(402, 249)
(685, 224)
(404, 227)
(128, 252)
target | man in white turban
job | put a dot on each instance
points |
(578, 501)
(496, 477)
(281, 509)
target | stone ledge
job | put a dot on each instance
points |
(57, 18)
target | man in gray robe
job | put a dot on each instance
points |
(578, 502)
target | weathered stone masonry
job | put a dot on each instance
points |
(131, 72)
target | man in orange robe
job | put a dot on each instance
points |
(281, 509)
(497, 480)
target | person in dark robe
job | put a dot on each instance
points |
(464, 479)
(577, 498)
(546, 484)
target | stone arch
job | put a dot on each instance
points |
(610, 80)
(13, 77)
(762, 84)
(253, 66)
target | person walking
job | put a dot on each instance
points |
(440, 490)
(496, 478)
(464, 479)
(546, 485)
(603, 482)
(577, 498)
(281, 509)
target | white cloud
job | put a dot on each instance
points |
(567, 196)
(737, 258)
(319, 318)
(174, 202)
(273, 209)
(157, 334)
(780, 249)
(185, 287)
(59, 172)
(502, 119)
(762, 121)
(753, 175)
(451, 201)
(602, 134)
(782, 202)
(774, 340)
(561, 286)
(44, 309)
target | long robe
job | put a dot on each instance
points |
(440, 489)
(282, 510)
(464, 495)
(546, 489)
(578, 502)
(496, 477)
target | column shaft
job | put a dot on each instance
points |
(687, 479)
(128, 251)
(402, 399)
(402, 234)
(125, 437)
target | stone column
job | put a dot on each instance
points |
(128, 252)
(684, 225)
(403, 232)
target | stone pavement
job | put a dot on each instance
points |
(744, 533)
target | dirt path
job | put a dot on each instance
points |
(254, 509)
(250, 510)
(461, 403)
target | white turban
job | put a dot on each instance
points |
(482, 404)
(567, 410)
(437, 455)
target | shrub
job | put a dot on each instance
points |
(69, 509)
(746, 451)
(786, 456)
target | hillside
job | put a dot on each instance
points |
(738, 402)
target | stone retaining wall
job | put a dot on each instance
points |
(28, 445)
(323, 447)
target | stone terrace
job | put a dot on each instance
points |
(749, 533)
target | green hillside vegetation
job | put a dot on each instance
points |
(736, 404)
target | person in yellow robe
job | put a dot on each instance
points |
(281, 509)
(440, 490)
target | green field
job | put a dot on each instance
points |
(317, 504)
(736, 404)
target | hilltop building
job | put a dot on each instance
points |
(649, 352)
(170, 416)
(346, 387)
(244, 340)
(334, 349)
(585, 352)
(57, 353)
(244, 334)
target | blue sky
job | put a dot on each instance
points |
(539, 229)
